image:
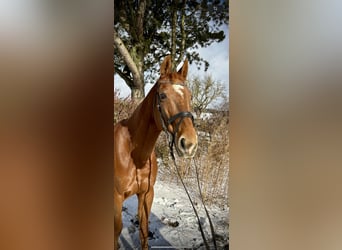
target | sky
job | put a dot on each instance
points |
(217, 54)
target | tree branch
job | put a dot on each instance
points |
(128, 80)
(120, 46)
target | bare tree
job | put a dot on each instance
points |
(204, 92)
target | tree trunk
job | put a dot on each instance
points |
(173, 35)
(183, 34)
(137, 94)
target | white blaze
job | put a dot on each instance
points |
(178, 89)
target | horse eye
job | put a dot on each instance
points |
(162, 96)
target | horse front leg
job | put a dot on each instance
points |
(118, 202)
(144, 209)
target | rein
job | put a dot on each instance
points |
(171, 139)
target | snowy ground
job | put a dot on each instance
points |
(173, 224)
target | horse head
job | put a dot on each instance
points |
(174, 108)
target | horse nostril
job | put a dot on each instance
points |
(182, 142)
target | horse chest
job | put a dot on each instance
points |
(136, 180)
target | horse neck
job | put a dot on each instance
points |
(143, 129)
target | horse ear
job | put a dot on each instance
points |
(165, 67)
(184, 69)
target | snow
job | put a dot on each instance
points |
(172, 223)
(204, 116)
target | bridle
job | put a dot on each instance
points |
(165, 124)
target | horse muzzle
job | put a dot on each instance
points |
(186, 147)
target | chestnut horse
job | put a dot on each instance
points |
(166, 107)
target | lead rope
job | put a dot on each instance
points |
(171, 141)
(192, 204)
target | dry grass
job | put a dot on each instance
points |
(213, 160)
(123, 108)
